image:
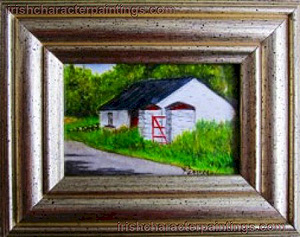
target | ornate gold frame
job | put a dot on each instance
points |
(261, 36)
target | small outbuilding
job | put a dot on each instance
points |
(163, 109)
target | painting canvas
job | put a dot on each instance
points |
(151, 119)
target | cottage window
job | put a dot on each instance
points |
(110, 119)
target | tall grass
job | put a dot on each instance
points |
(212, 147)
(211, 144)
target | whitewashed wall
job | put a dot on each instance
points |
(208, 105)
(179, 121)
(145, 122)
(120, 118)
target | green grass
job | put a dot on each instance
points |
(72, 123)
(210, 148)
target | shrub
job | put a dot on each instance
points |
(212, 147)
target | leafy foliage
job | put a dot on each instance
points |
(85, 92)
(209, 148)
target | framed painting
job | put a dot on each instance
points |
(151, 119)
(39, 43)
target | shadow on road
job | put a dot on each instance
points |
(81, 168)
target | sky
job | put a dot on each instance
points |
(97, 68)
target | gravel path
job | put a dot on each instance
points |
(83, 160)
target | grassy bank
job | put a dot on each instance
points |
(211, 147)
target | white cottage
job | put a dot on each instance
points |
(163, 109)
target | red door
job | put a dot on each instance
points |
(159, 129)
(134, 121)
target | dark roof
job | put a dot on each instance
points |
(144, 93)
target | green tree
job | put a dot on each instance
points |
(85, 92)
